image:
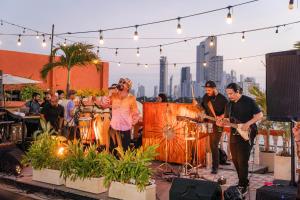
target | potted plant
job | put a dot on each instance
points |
(84, 169)
(129, 176)
(45, 155)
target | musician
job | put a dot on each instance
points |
(124, 113)
(241, 109)
(214, 104)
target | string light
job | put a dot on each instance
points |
(291, 4)
(277, 29)
(160, 49)
(179, 30)
(116, 53)
(19, 41)
(240, 60)
(65, 42)
(243, 37)
(101, 41)
(24, 30)
(136, 34)
(138, 52)
(174, 65)
(98, 51)
(229, 17)
(211, 43)
(44, 44)
(119, 64)
(37, 35)
(204, 63)
(146, 65)
(1, 22)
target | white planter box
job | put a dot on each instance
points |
(282, 168)
(267, 159)
(130, 192)
(48, 176)
(92, 185)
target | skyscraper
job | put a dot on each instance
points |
(155, 91)
(171, 87)
(141, 91)
(163, 75)
(185, 82)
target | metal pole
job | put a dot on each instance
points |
(293, 182)
(51, 59)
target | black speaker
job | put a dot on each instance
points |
(283, 85)
(191, 189)
(10, 159)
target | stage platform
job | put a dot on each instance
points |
(25, 184)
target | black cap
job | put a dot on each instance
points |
(210, 84)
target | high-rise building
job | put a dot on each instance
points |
(233, 76)
(141, 91)
(215, 70)
(163, 75)
(155, 91)
(170, 94)
(248, 83)
(185, 82)
(176, 90)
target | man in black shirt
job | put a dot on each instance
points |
(54, 113)
(241, 110)
(218, 103)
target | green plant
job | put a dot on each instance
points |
(43, 152)
(27, 91)
(76, 54)
(83, 164)
(133, 166)
(286, 126)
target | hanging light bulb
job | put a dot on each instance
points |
(19, 41)
(101, 41)
(276, 31)
(146, 65)
(1, 22)
(160, 49)
(291, 4)
(211, 43)
(119, 64)
(116, 53)
(24, 30)
(138, 64)
(136, 34)
(44, 44)
(229, 16)
(37, 35)
(204, 63)
(243, 37)
(65, 42)
(174, 64)
(179, 30)
(138, 52)
(240, 60)
(98, 51)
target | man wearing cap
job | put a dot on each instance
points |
(214, 104)
(125, 113)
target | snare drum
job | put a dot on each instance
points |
(85, 129)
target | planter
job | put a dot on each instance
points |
(92, 185)
(48, 176)
(130, 192)
(282, 168)
(267, 159)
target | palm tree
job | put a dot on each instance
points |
(76, 54)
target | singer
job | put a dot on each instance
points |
(124, 112)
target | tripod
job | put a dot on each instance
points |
(168, 134)
(186, 165)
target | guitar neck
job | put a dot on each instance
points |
(214, 119)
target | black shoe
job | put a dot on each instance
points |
(243, 190)
(214, 171)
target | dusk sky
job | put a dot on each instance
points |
(82, 15)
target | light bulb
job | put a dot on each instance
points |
(211, 43)
(65, 42)
(179, 29)
(136, 34)
(1, 23)
(174, 64)
(276, 31)
(119, 64)
(160, 49)
(44, 44)
(138, 52)
(291, 4)
(101, 40)
(146, 65)
(19, 41)
(37, 35)
(240, 60)
(98, 50)
(243, 37)
(204, 63)
(229, 17)
(24, 30)
(116, 53)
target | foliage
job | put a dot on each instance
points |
(91, 92)
(76, 54)
(83, 164)
(131, 167)
(28, 90)
(43, 152)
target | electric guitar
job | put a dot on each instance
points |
(238, 127)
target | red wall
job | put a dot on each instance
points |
(28, 65)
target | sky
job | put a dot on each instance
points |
(82, 15)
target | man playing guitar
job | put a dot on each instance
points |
(243, 110)
(214, 104)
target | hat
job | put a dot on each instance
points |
(210, 84)
(127, 81)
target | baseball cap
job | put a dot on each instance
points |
(210, 84)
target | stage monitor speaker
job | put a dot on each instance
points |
(191, 189)
(10, 159)
(283, 85)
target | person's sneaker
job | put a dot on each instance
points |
(243, 190)
(214, 171)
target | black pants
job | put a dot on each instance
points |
(122, 138)
(240, 152)
(214, 140)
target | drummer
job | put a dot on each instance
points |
(124, 113)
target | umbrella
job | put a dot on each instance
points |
(8, 79)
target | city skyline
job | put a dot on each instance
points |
(246, 17)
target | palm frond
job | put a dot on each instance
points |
(48, 67)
